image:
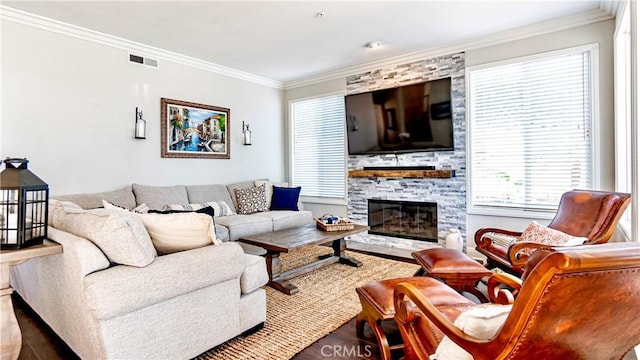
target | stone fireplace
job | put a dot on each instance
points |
(448, 193)
(406, 219)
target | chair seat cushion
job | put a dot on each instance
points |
(448, 261)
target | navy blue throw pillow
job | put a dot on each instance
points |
(285, 198)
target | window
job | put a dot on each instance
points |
(318, 147)
(530, 131)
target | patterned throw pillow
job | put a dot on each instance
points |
(251, 200)
(220, 208)
(544, 235)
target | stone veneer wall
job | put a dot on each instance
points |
(450, 194)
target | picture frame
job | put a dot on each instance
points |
(192, 130)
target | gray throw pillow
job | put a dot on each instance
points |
(120, 235)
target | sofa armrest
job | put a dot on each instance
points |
(255, 273)
(79, 258)
(123, 289)
(50, 284)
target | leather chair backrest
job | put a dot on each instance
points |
(583, 300)
(590, 214)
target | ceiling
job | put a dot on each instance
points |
(288, 40)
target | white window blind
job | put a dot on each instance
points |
(530, 131)
(318, 151)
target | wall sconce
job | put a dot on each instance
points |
(141, 126)
(246, 134)
(24, 200)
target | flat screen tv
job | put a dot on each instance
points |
(408, 118)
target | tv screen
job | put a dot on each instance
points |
(408, 118)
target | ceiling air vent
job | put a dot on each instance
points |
(143, 61)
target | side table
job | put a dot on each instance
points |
(10, 335)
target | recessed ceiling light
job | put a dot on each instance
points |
(373, 44)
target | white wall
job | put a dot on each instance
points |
(601, 33)
(68, 105)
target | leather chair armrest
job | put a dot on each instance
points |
(497, 291)
(520, 259)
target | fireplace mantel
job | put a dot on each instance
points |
(437, 174)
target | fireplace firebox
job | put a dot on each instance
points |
(405, 219)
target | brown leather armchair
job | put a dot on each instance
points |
(582, 213)
(580, 302)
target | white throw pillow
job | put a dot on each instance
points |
(268, 189)
(180, 231)
(118, 233)
(481, 322)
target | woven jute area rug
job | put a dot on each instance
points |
(327, 299)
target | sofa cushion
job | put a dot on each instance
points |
(158, 196)
(285, 219)
(121, 290)
(118, 233)
(123, 197)
(251, 200)
(254, 274)
(199, 194)
(179, 231)
(243, 225)
(285, 198)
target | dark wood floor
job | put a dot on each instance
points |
(39, 342)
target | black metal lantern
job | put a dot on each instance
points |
(24, 205)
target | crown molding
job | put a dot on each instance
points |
(59, 27)
(612, 7)
(480, 42)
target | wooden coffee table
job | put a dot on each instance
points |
(283, 241)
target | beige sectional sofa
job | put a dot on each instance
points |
(176, 307)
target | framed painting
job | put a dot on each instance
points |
(191, 130)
